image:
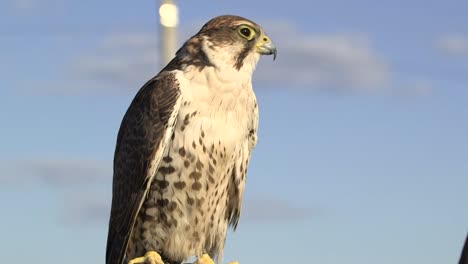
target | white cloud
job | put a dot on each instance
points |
(25, 4)
(95, 207)
(342, 62)
(338, 61)
(86, 185)
(263, 209)
(333, 60)
(55, 171)
(121, 59)
(87, 207)
(415, 89)
(27, 7)
(453, 44)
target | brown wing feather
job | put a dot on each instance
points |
(140, 139)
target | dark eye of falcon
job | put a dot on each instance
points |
(246, 32)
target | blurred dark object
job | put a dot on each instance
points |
(464, 254)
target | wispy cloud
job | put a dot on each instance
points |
(343, 62)
(264, 209)
(339, 61)
(453, 44)
(95, 208)
(87, 188)
(55, 171)
(90, 208)
(122, 59)
(25, 4)
(25, 7)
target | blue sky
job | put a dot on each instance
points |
(363, 146)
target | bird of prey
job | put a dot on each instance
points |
(183, 149)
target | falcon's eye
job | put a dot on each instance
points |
(246, 32)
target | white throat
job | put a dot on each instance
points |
(224, 60)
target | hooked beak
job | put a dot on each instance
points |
(266, 47)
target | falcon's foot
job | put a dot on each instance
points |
(151, 257)
(206, 259)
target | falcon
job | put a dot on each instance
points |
(183, 149)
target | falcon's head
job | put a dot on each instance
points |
(226, 42)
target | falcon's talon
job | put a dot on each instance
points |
(150, 257)
(205, 259)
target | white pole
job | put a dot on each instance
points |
(169, 20)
